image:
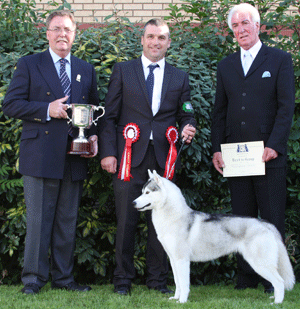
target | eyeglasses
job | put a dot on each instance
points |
(61, 30)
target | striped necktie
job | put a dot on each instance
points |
(64, 79)
(66, 85)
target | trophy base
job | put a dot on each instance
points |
(80, 148)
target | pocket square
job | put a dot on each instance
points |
(266, 74)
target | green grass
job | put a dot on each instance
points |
(204, 297)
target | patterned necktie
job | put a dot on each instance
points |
(150, 80)
(64, 79)
(66, 85)
(247, 62)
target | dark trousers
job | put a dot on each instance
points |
(127, 220)
(264, 195)
(52, 207)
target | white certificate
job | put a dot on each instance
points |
(243, 159)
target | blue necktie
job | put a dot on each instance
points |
(64, 79)
(150, 80)
(66, 85)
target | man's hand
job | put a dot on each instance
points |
(188, 133)
(109, 164)
(94, 147)
(269, 154)
(57, 108)
(218, 162)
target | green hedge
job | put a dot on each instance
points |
(198, 44)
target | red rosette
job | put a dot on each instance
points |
(172, 137)
(131, 134)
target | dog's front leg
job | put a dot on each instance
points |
(175, 275)
(182, 267)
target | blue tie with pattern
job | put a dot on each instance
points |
(150, 80)
(66, 85)
(64, 79)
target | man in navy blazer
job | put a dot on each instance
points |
(255, 105)
(128, 101)
(53, 179)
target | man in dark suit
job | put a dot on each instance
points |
(53, 179)
(254, 102)
(128, 101)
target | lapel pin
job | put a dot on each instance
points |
(78, 78)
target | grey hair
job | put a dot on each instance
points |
(244, 7)
(60, 13)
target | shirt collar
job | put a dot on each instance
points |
(146, 62)
(253, 50)
(56, 58)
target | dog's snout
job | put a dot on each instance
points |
(134, 203)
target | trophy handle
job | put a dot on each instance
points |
(69, 106)
(96, 108)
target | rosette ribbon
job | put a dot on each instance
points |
(172, 137)
(131, 134)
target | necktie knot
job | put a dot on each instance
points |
(152, 67)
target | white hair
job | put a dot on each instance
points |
(244, 7)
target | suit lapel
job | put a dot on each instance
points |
(49, 73)
(75, 79)
(259, 59)
(237, 63)
(166, 81)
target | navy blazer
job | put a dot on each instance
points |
(258, 106)
(34, 85)
(127, 101)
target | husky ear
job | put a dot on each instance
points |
(156, 177)
(150, 174)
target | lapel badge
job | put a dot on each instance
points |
(266, 74)
(78, 78)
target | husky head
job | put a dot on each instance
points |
(151, 193)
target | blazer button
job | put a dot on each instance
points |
(244, 94)
(47, 132)
(243, 123)
(83, 97)
(243, 108)
(48, 93)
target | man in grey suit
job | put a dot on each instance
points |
(53, 179)
(255, 99)
(129, 101)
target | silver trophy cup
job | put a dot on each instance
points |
(82, 118)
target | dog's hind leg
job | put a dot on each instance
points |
(270, 273)
(183, 279)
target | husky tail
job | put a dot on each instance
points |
(285, 268)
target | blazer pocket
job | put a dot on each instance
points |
(29, 134)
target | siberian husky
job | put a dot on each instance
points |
(189, 235)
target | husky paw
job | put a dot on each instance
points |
(173, 297)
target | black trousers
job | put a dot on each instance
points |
(51, 207)
(127, 220)
(259, 195)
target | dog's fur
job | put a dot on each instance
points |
(189, 235)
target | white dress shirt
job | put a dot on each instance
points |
(158, 82)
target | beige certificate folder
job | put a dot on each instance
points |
(243, 159)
